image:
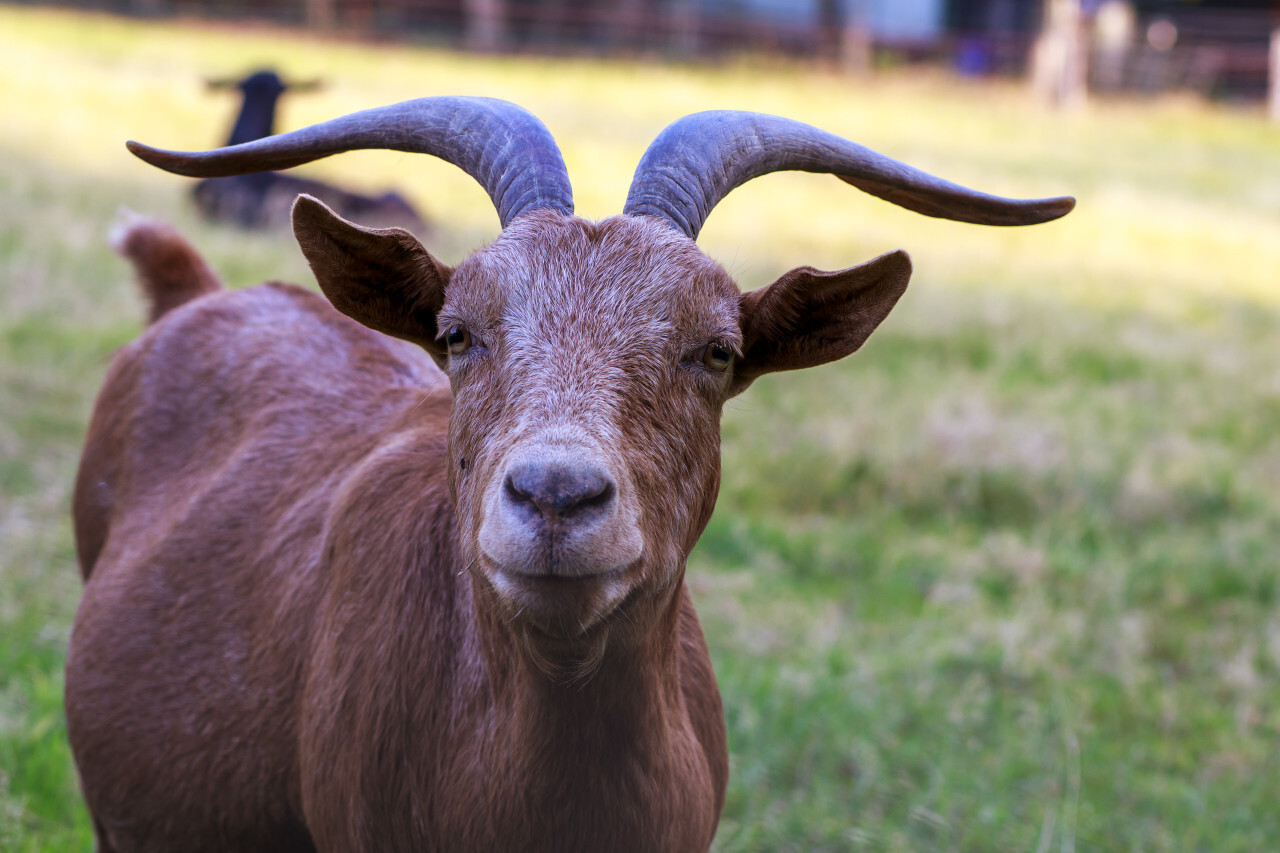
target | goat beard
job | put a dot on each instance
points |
(568, 663)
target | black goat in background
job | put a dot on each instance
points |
(264, 199)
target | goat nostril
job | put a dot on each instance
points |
(594, 494)
(556, 491)
(517, 493)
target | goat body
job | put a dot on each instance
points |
(275, 575)
(413, 578)
(264, 200)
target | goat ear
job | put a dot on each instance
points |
(382, 278)
(809, 317)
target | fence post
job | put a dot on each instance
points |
(1273, 92)
(1058, 60)
(485, 24)
(685, 21)
(855, 39)
(322, 15)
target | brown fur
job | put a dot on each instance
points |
(290, 638)
(170, 272)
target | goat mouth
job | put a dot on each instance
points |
(554, 578)
(561, 606)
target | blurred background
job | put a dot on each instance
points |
(1214, 47)
(1006, 579)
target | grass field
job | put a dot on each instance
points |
(1005, 580)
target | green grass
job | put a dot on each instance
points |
(1004, 580)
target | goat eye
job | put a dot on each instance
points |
(458, 340)
(716, 357)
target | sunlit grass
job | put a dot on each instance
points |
(1006, 579)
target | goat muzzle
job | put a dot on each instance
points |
(559, 535)
(557, 512)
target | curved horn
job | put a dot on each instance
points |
(699, 159)
(502, 146)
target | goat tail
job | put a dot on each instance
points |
(169, 269)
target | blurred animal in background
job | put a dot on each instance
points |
(264, 199)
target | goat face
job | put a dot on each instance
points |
(589, 365)
(587, 412)
(589, 362)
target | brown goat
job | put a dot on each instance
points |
(342, 596)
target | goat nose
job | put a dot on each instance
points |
(558, 491)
